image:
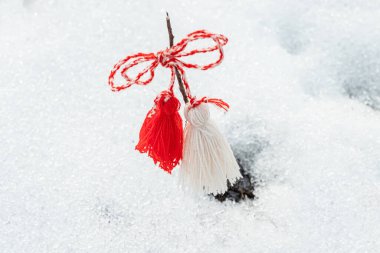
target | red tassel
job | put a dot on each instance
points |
(161, 135)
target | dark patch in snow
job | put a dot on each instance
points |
(246, 154)
(292, 38)
(358, 71)
(110, 212)
(367, 95)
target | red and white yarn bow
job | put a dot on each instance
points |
(168, 58)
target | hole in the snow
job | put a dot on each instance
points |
(246, 153)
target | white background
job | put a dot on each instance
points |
(302, 79)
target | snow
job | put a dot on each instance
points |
(303, 82)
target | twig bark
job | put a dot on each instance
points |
(171, 43)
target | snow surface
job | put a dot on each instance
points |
(303, 81)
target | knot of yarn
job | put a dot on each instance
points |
(167, 103)
(165, 58)
(197, 117)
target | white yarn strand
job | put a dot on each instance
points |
(208, 161)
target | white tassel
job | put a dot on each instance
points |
(208, 161)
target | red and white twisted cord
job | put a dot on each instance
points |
(169, 58)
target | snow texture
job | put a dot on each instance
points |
(303, 82)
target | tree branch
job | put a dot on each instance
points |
(171, 43)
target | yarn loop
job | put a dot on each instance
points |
(168, 58)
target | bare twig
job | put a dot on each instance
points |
(171, 43)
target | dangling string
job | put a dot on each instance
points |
(168, 58)
(216, 101)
